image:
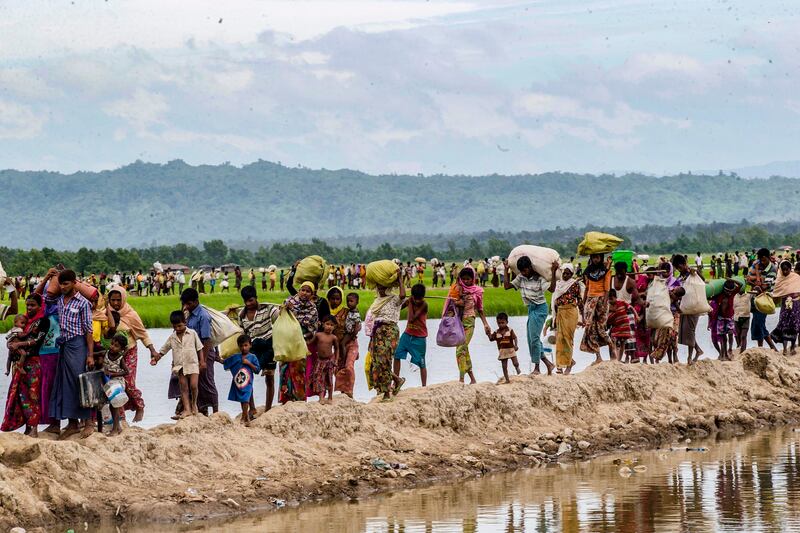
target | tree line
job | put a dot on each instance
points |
(710, 238)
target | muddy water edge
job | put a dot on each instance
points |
(448, 432)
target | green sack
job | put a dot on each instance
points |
(715, 287)
(287, 338)
(595, 242)
(383, 273)
(314, 269)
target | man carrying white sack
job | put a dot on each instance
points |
(531, 286)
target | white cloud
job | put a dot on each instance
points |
(25, 84)
(19, 121)
(142, 110)
(43, 28)
(647, 65)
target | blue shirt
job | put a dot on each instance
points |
(200, 321)
(242, 384)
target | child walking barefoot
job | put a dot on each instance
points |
(115, 369)
(327, 355)
(186, 348)
(507, 345)
(413, 340)
(243, 367)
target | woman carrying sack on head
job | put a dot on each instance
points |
(381, 325)
(597, 278)
(293, 375)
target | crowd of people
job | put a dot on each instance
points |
(72, 325)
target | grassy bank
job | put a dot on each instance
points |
(155, 310)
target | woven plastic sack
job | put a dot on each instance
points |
(596, 242)
(541, 257)
(228, 347)
(694, 302)
(313, 268)
(659, 315)
(222, 327)
(383, 273)
(287, 338)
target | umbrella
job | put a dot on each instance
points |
(786, 248)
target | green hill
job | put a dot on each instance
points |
(144, 203)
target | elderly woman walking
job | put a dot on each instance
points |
(567, 310)
(383, 315)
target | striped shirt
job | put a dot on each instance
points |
(261, 325)
(74, 317)
(531, 290)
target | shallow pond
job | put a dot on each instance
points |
(749, 483)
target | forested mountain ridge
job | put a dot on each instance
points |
(147, 203)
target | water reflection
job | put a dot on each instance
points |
(745, 484)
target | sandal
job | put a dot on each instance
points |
(399, 386)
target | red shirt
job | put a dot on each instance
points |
(419, 327)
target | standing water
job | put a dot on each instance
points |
(748, 484)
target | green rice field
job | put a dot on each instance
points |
(155, 310)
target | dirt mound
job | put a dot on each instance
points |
(207, 466)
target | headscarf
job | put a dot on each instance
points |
(786, 285)
(563, 286)
(305, 311)
(39, 314)
(129, 319)
(672, 281)
(596, 271)
(335, 311)
(474, 290)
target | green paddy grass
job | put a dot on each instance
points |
(155, 310)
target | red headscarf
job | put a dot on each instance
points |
(39, 314)
(474, 290)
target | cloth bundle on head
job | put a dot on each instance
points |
(596, 242)
(313, 268)
(383, 273)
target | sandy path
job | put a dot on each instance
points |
(310, 451)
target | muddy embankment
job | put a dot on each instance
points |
(203, 467)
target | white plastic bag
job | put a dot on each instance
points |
(659, 315)
(542, 259)
(694, 302)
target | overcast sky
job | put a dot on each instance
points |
(401, 86)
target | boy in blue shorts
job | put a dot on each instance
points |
(412, 341)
